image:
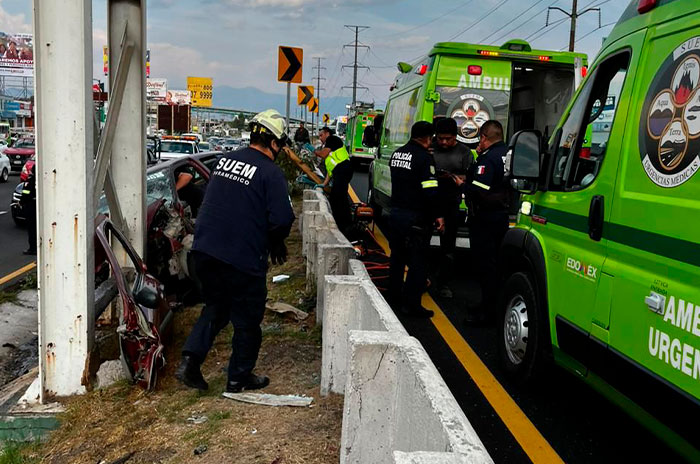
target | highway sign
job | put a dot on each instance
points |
(313, 105)
(326, 118)
(202, 89)
(290, 64)
(304, 94)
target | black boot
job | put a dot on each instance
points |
(250, 382)
(188, 373)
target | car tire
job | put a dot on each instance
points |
(524, 344)
(5, 175)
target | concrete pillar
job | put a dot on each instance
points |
(128, 161)
(63, 90)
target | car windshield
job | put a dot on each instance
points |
(177, 147)
(158, 185)
(27, 143)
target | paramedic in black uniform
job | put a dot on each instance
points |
(414, 189)
(488, 196)
(246, 215)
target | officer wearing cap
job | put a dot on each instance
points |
(339, 170)
(488, 197)
(414, 190)
(245, 216)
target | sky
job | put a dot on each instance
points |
(235, 41)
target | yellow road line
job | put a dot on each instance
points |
(353, 195)
(523, 430)
(17, 273)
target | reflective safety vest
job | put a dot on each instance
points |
(335, 158)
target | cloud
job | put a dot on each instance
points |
(14, 23)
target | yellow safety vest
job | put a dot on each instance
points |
(335, 158)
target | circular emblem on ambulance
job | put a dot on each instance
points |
(470, 111)
(670, 139)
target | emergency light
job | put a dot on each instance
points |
(474, 70)
(584, 71)
(422, 69)
(645, 5)
(514, 55)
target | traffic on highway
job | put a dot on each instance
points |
(524, 214)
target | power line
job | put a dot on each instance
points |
(522, 23)
(573, 16)
(318, 80)
(551, 27)
(425, 23)
(355, 66)
(594, 30)
(479, 20)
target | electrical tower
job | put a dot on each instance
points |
(573, 16)
(318, 80)
(355, 66)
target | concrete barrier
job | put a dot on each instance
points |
(397, 407)
(395, 400)
(352, 303)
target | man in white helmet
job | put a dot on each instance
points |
(245, 217)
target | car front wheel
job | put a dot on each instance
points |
(4, 175)
(523, 342)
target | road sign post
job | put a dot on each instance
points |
(290, 62)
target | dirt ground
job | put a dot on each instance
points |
(125, 422)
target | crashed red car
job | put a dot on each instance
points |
(150, 292)
(146, 312)
(170, 221)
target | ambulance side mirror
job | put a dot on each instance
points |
(525, 155)
(523, 161)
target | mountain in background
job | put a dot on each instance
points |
(252, 99)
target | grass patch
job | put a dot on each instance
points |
(19, 453)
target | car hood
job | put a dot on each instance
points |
(19, 151)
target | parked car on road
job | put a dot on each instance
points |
(4, 167)
(172, 147)
(19, 153)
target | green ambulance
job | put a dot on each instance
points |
(358, 120)
(514, 84)
(602, 271)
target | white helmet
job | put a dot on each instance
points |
(273, 122)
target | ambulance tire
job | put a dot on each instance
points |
(523, 331)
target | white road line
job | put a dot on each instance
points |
(3, 212)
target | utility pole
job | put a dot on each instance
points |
(318, 80)
(355, 66)
(573, 16)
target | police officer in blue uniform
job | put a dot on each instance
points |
(488, 195)
(414, 190)
(245, 216)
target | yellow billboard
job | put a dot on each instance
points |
(202, 89)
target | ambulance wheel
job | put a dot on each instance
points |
(523, 341)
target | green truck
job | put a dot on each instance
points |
(602, 271)
(359, 118)
(520, 87)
